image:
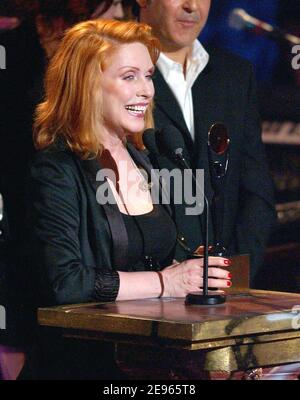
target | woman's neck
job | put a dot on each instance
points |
(114, 144)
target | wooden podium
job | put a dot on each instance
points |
(165, 339)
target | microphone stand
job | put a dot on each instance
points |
(197, 298)
(239, 19)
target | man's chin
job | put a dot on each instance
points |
(181, 43)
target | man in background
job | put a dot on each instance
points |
(195, 88)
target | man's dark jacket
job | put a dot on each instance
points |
(225, 92)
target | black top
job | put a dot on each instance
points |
(151, 238)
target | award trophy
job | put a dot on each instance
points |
(218, 156)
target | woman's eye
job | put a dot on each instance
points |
(149, 77)
(128, 77)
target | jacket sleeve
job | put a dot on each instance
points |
(257, 213)
(56, 252)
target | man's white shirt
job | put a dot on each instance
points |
(181, 85)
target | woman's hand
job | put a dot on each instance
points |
(187, 276)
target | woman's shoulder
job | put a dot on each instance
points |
(57, 153)
(55, 162)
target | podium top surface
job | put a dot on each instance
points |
(245, 313)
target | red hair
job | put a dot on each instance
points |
(72, 104)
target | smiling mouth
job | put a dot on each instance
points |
(187, 22)
(137, 110)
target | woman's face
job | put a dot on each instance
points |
(127, 89)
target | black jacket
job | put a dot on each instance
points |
(75, 242)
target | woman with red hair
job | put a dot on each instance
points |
(94, 232)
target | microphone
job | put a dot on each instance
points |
(169, 142)
(239, 19)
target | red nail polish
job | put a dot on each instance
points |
(229, 284)
(227, 262)
(229, 276)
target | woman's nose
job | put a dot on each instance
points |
(146, 88)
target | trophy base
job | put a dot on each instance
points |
(216, 251)
(199, 299)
